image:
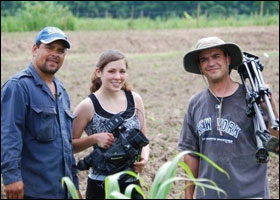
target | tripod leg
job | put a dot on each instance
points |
(261, 154)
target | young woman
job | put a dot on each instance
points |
(110, 95)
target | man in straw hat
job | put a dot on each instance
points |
(217, 126)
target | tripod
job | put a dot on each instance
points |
(250, 70)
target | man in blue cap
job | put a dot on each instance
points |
(36, 124)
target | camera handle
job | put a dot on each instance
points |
(251, 69)
(114, 123)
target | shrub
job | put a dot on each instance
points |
(37, 15)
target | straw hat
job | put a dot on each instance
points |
(191, 60)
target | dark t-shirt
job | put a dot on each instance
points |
(234, 150)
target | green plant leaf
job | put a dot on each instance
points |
(187, 170)
(114, 184)
(171, 171)
(117, 195)
(70, 186)
(163, 189)
(159, 178)
(129, 188)
(189, 173)
(213, 164)
(131, 173)
(214, 186)
(163, 179)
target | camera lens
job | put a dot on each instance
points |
(85, 163)
(137, 139)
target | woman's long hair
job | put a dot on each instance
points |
(107, 57)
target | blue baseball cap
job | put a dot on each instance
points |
(50, 34)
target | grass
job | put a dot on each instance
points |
(27, 22)
(36, 15)
(172, 23)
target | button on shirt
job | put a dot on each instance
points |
(36, 135)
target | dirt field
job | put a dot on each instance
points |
(156, 73)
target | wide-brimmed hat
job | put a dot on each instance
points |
(191, 58)
(51, 34)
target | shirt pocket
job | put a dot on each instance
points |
(43, 123)
(69, 121)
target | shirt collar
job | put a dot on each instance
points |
(34, 73)
(39, 81)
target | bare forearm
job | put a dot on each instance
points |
(145, 152)
(193, 164)
(276, 115)
(189, 190)
(275, 112)
(81, 144)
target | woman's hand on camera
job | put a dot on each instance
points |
(139, 165)
(105, 140)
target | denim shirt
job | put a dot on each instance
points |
(36, 135)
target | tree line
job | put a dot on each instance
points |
(153, 9)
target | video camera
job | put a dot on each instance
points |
(123, 152)
(250, 70)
